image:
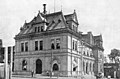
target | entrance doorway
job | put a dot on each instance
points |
(38, 66)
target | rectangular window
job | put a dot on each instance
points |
(76, 45)
(26, 46)
(36, 45)
(35, 29)
(38, 29)
(42, 28)
(58, 43)
(52, 44)
(73, 45)
(41, 45)
(22, 47)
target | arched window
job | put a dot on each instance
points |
(24, 65)
(55, 67)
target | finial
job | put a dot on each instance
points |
(38, 11)
(25, 21)
(61, 8)
(74, 10)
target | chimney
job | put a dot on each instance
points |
(44, 9)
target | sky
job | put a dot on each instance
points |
(97, 16)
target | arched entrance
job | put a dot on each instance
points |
(38, 66)
(55, 67)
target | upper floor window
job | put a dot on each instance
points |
(42, 28)
(22, 47)
(26, 46)
(35, 29)
(58, 43)
(36, 45)
(87, 53)
(41, 45)
(74, 28)
(39, 28)
(74, 46)
(52, 44)
(55, 43)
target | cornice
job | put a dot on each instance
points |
(48, 32)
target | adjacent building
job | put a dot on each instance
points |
(52, 43)
(1, 52)
(111, 69)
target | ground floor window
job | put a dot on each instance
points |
(24, 65)
(55, 67)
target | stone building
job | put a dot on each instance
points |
(52, 42)
(1, 51)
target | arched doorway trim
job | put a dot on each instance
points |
(38, 66)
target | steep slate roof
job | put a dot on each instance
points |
(72, 17)
(86, 38)
(53, 21)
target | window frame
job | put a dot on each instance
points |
(36, 46)
(52, 43)
(26, 46)
(58, 46)
(22, 47)
(41, 45)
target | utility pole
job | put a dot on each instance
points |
(6, 63)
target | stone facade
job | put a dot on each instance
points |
(52, 42)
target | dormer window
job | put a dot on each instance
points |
(42, 28)
(39, 29)
(74, 28)
(35, 29)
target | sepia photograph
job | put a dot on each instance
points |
(59, 39)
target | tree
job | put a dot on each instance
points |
(114, 55)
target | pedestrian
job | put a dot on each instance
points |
(32, 73)
(109, 77)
